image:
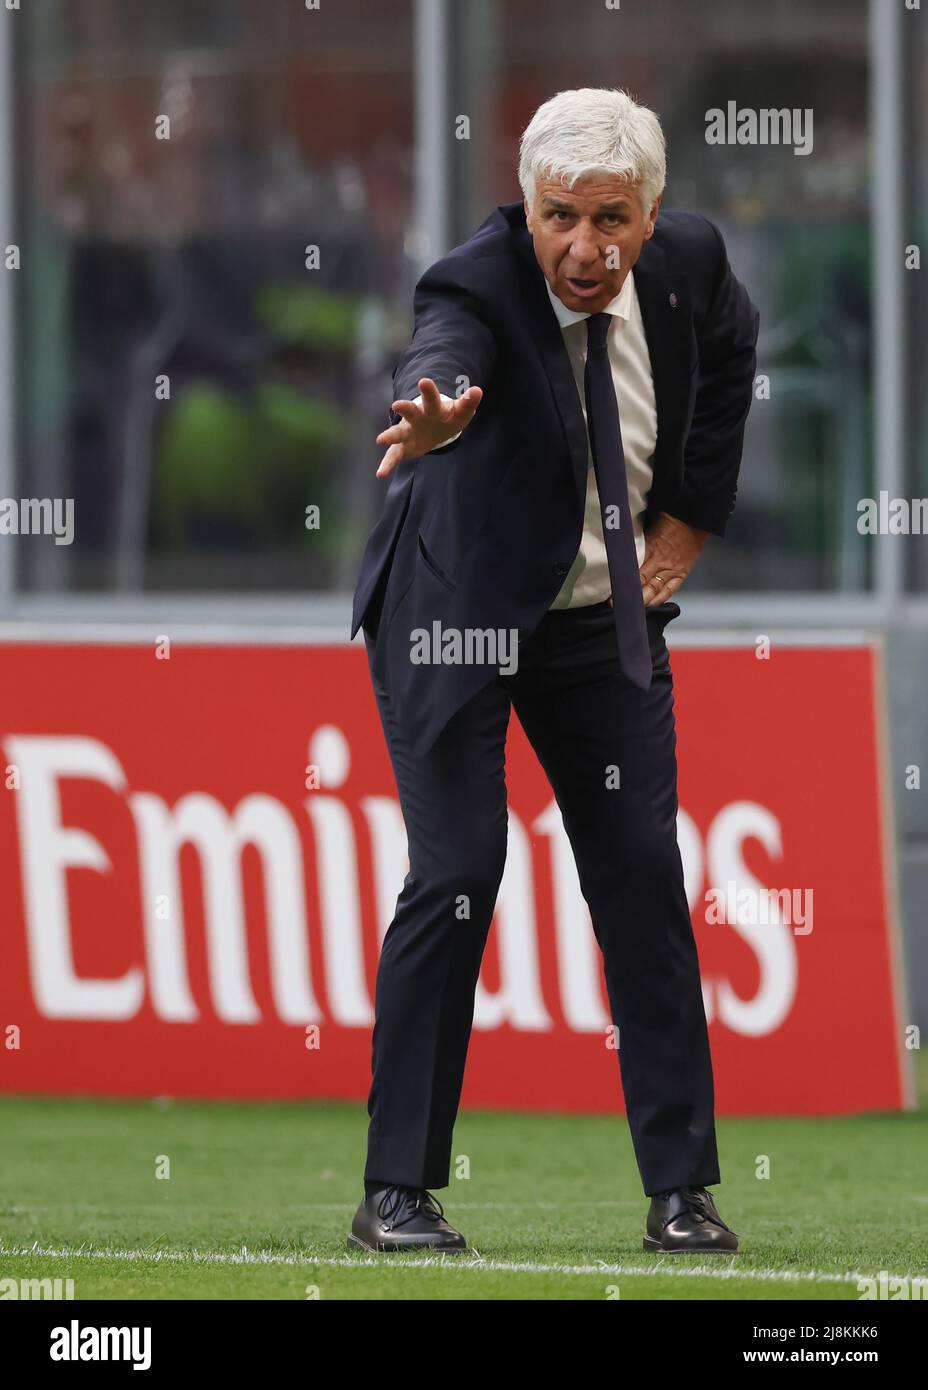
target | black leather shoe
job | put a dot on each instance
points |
(686, 1220)
(403, 1218)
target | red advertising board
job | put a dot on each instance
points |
(201, 848)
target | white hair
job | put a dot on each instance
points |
(594, 130)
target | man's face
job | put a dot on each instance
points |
(587, 239)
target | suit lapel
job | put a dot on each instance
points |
(546, 334)
(666, 314)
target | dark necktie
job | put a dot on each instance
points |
(602, 417)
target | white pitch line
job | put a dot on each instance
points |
(273, 1257)
(612, 1203)
(351, 1206)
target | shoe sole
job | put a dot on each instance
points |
(355, 1243)
(654, 1247)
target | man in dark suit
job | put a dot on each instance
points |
(567, 433)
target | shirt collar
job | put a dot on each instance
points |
(621, 306)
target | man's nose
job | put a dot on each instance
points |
(584, 246)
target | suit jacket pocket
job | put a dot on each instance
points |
(432, 564)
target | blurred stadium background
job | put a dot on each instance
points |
(335, 127)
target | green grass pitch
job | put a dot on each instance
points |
(260, 1198)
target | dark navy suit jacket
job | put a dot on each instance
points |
(481, 533)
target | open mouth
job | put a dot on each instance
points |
(583, 287)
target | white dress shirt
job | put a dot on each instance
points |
(588, 579)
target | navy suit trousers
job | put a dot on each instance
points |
(581, 715)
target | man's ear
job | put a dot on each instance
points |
(652, 218)
(528, 213)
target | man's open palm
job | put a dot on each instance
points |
(427, 425)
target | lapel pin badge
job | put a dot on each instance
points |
(673, 301)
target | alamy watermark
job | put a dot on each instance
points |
(38, 516)
(765, 126)
(892, 516)
(890, 1286)
(763, 907)
(469, 646)
(36, 1289)
(84, 1343)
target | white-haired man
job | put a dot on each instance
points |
(567, 433)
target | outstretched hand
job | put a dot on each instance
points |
(425, 426)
